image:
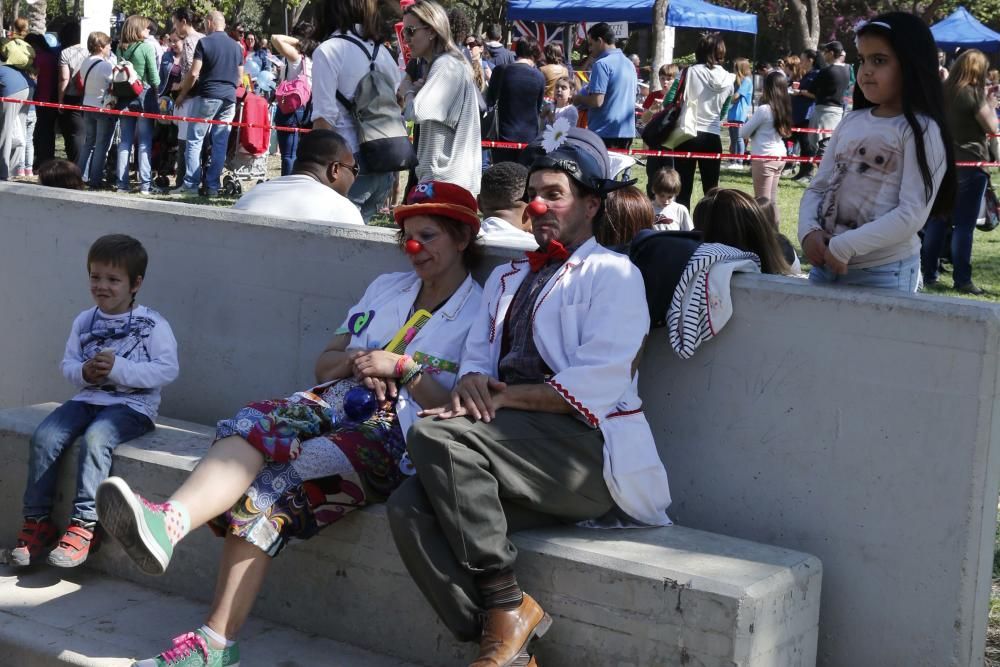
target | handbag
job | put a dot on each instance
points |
(687, 125)
(992, 206)
(491, 119)
(660, 127)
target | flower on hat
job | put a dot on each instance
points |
(555, 134)
(422, 192)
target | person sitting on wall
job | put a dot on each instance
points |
(316, 189)
(501, 200)
(284, 469)
(538, 431)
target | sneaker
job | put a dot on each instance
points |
(139, 525)
(28, 173)
(75, 544)
(970, 288)
(192, 650)
(37, 536)
(184, 190)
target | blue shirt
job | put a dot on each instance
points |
(221, 57)
(613, 75)
(11, 81)
(740, 111)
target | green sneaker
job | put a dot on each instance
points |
(192, 650)
(139, 525)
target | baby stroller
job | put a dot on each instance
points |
(247, 155)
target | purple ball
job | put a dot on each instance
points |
(360, 404)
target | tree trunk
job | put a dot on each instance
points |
(658, 34)
(36, 17)
(806, 13)
(297, 13)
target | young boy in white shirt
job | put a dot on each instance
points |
(119, 354)
(670, 215)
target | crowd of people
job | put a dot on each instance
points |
(475, 411)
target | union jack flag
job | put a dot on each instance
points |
(543, 33)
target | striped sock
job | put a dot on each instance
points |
(500, 590)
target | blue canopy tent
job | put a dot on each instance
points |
(961, 30)
(680, 14)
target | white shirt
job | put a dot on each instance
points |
(672, 217)
(499, 230)
(339, 65)
(868, 192)
(588, 325)
(447, 110)
(708, 88)
(145, 358)
(299, 197)
(385, 308)
(96, 72)
(760, 131)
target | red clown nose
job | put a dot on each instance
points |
(537, 208)
(413, 247)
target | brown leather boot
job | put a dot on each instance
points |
(506, 633)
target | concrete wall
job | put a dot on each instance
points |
(859, 427)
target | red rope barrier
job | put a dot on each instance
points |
(486, 143)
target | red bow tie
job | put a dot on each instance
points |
(538, 259)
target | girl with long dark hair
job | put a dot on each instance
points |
(766, 131)
(888, 166)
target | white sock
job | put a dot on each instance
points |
(178, 521)
(215, 640)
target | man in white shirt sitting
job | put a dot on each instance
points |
(316, 189)
(501, 199)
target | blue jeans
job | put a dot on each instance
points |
(972, 182)
(370, 192)
(143, 127)
(103, 428)
(901, 275)
(99, 130)
(288, 142)
(736, 143)
(210, 109)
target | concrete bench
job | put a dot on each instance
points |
(668, 596)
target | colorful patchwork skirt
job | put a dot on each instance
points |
(319, 466)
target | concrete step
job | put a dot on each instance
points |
(52, 618)
(622, 598)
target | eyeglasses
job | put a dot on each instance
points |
(410, 30)
(354, 168)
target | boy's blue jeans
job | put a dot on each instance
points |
(103, 428)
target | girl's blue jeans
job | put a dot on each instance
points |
(103, 428)
(902, 275)
(288, 142)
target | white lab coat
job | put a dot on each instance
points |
(383, 310)
(588, 324)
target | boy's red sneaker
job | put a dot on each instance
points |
(74, 545)
(36, 538)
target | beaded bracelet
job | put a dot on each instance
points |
(415, 370)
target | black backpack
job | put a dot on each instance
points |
(662, 257)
